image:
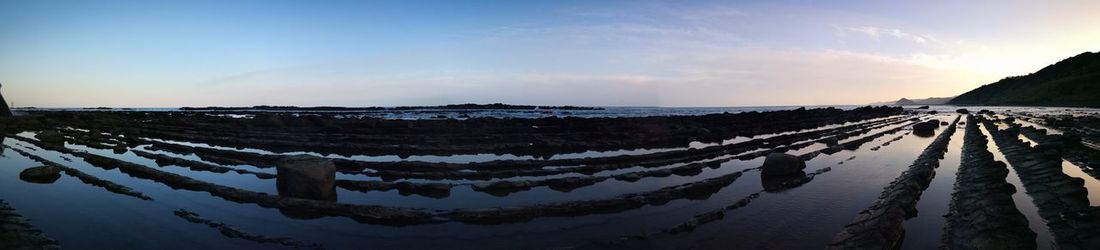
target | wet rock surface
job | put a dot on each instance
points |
(307, 177)
(880, 225)
(982, 214)
(86, 178)
(1062, 200)
(325, 134)
(684, 175)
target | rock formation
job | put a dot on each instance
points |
(5, 111)
(307, 177)
(779, 164)
(41, 174)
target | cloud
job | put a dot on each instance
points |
(876, 33)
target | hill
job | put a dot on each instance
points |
(926, 101)
(1074, 82)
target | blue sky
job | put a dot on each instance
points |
(636, 53)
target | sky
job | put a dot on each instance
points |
(60, 53)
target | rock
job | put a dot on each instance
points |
(629, 177)
(571, 183)
(1010, 119)
(779, 164)
(120, 148)
(923, 107)
(830, 141)
(306, 177)
(943, 123)
(431, 190)
(933, 112)
(50, 136)
(925, 129)
(962, 111)
(41, 174)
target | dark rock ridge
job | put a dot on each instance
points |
(880, 225)
(1062, 200)
(83, 177)
(17, 233)
(1070, 82)
(233, 232)
(982, 214)
(5, 111)
(718, 214)
(279, 132)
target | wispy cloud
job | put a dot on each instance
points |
(877, 33)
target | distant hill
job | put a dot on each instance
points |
(926, 101)
(1074, 82)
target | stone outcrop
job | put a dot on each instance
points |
(5, 111)
(40, 174)
(780, 164)
(1062, 200)
(982, 214)
(307, 177)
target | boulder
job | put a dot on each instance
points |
(962, 111)
(923, 107)
(41, 174)
(925, 128)
(306, 177)
(779, 164)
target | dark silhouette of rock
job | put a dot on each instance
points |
(41, 174)
(50, 136)
(5, 111)
(779, 164)
(925, 129)
(962, 111)
(306, 177)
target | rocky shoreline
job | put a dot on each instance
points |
(982, 214)
(1062, 200)
(370, 136)
(880, 225)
